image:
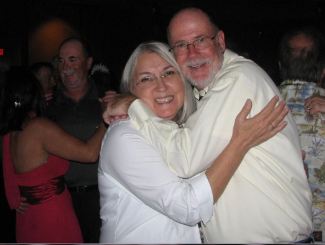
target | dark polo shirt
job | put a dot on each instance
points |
(80, 119)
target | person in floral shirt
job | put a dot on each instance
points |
(299, 54)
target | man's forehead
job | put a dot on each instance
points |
(69, 55)
(71, 47)
(301, 41)
(190, 26)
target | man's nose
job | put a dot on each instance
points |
(64, 65)
(191, 49)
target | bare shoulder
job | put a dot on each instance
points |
(40, 123)
(40, 128)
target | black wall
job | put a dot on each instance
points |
(115, 27)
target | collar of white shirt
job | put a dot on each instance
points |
(198, 94)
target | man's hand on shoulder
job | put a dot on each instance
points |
(116, 106)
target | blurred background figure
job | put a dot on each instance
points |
(44, 71)
(35, 153)
(322, 71)
(299, 63)
(300, 53)
(76, 108)
(102, 77)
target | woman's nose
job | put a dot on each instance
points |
(160, 84)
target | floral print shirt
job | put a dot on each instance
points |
(312, 137)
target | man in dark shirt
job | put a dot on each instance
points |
(77, 110)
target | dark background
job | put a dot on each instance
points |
(115, 27)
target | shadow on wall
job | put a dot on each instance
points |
(46, 38)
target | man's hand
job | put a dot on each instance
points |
(117, 106)
(315, 104)
(108, 98)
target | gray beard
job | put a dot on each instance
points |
(206, 82)
(201, 84)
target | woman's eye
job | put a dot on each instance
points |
(169, 73)
(146, 79)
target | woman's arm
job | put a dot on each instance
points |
(139, 168)
(58, 142)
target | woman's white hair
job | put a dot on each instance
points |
(162, 50)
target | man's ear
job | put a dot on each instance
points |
(221, 40)
(89, 62)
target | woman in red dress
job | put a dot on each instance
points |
(34, 163)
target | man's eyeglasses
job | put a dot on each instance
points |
(148, 80)
(198, 43)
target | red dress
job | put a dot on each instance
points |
(50, 218)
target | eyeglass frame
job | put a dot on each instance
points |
(155, 78)
(188, 43)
